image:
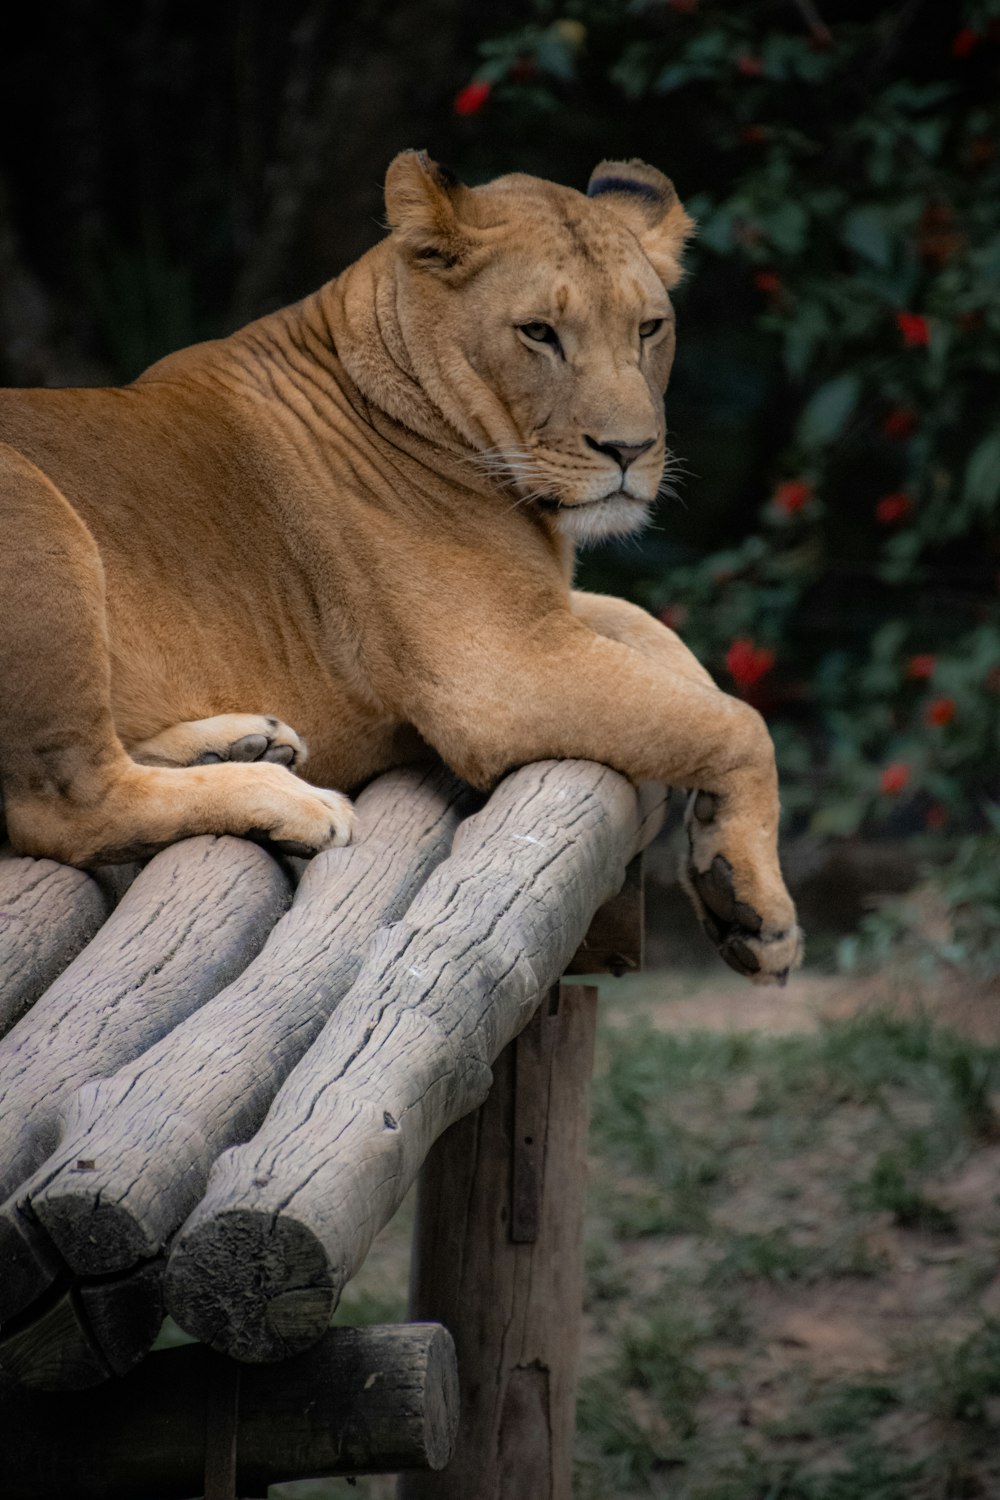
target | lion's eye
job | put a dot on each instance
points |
(541, 333)
(651, 326)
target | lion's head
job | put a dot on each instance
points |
(538, 322)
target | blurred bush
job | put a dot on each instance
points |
(839, 352)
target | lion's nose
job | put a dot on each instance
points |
(622, 453)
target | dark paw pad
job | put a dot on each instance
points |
(704, 806)
(739, 957)
(715, 887)
(279, 755)
(250, 747)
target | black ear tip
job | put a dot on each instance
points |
(614, 184)
(443, 176)
(446, 176)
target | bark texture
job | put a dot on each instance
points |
(137, 1147)
(194, 918)
(288, 1218)
(48, 913)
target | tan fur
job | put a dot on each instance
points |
(358, 515)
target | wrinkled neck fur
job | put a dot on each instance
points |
(365, 326)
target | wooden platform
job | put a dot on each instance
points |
(221, 1074)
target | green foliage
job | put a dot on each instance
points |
(845, 176)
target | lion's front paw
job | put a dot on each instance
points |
(296, 818)
(224, 737)
(733, 879)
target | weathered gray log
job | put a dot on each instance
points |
(193, 919)
(48, 914)
(363, 1401)
(137, 1147)
(288, 1218)
(498, 1259)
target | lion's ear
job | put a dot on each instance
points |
(647, 202)
(424, 203)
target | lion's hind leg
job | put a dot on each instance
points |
(70, 790)
(224, 737)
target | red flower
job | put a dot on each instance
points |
(940, 711)
(767, 281)
(753, 135)
(892, 509)
(964, 41)
(747, 663)
(470, 100)
(899, 422)
(894, 778)
(915, 329)
(935, 817)
(673, 615)
(921, 666)
(749, 65)
(793, 495)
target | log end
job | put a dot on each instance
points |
(442, 1400)
(93, 1238)
(28, 1264)
(257, 1286)
(55, 1351)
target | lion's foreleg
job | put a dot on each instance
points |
(580, 694)
(619, 620)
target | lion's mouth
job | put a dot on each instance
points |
(552, 506)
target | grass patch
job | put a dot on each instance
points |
(775, 1188)
(889, 1187)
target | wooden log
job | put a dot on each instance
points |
(288, 1218)
(48, 914)
(363, 1401)
(193, 919)
(138, 1146)
(498, 1255)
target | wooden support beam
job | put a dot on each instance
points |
(615, 940)
(288, 1218)
(363, 1401)
(498, 1258)
(48, 913)
(137, 1147)
(192, 920)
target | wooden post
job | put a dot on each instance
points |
(498, 1258)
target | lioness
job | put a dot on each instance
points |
(358, 516)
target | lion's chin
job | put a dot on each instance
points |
(596, 520)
